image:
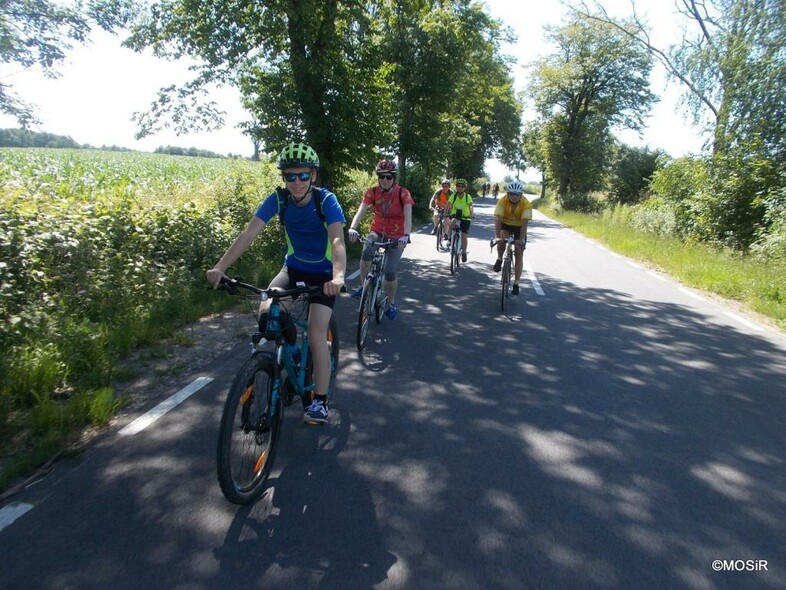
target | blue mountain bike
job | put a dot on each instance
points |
(278, 372)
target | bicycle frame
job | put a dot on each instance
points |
(440, 228)
(285, 360)
(373, 297)
(507, 267)
(455, 246)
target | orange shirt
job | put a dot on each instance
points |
(441, 197)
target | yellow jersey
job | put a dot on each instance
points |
(511, 214)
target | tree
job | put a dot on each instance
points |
(595, 81)
(355, 80)
(533, 150)
(40, 32)
(631, 173)
(294, 62)
(731, 63)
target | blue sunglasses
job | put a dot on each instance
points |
(292, 176)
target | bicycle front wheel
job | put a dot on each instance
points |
(249, 431)
(380, 302)
(365, 312)
(440, 236)
(454, 255)
(506, 272)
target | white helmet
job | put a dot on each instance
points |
(515, 186)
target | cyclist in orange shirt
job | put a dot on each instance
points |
(438, 201)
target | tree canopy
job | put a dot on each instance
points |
(355, 81)
(594, 81)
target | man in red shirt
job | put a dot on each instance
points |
(392, 220)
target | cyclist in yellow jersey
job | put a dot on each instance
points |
(459, 208)
(511, 215)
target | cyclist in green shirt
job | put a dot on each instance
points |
(460, 210)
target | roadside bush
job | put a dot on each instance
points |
(771, 242)
(678, 185)
(582, 203)
(654, 216)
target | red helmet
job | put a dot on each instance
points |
(388, 166)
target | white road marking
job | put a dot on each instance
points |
(744, 322)
(353, 276)
(148, 418)
(533, 279)
(691, 294)
(657, 276)
(10, 513)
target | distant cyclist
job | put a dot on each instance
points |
(437, 203)
(495, 190)
(511, 216)
(460, 210)
(313, 222)
(392, 220)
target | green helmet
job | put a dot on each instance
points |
(298, 155)
(461, 181)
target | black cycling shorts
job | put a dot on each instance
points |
(514, 230)
(287, 278)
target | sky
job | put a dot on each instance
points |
(102, 84)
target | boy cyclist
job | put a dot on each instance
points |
(313, 222)
(511, 216)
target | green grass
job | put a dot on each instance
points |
(758, 284)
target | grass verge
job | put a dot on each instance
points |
(757, 284)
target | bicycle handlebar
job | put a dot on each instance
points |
(508, 240)
(233, 286)
(379, 244)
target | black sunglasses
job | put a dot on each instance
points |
(292, 176)
(385, 176)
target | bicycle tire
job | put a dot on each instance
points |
(364, 313)
(380, 302)
(454, 255)
(506, 272)
(248, 436)
(334, 347)
(440, 236)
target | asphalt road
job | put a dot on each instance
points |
(610, 430)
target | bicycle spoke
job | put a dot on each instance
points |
(249, 431)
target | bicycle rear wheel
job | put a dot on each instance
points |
(365, 312)
(248, 436)
(333, 347)
(506, 272)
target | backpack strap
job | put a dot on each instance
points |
(283, 194)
